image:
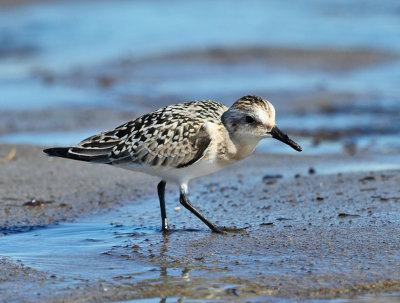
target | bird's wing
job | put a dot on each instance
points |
(162, 138)
(99, 148)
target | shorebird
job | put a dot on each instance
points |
(183, 141)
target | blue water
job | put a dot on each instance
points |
(66, 248)
(87, 32)
(84, 33)
(66, 37)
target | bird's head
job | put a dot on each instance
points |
(251, 118)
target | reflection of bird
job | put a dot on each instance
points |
(183, 141)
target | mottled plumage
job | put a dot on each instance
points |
(170, 137)
(182, 141)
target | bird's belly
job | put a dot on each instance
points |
(180, 175)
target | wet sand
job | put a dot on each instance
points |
(62, 190)
(309, 235)
(61, 119)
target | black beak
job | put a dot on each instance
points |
(277, 134)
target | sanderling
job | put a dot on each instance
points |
(183, 141)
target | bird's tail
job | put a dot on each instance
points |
(98, 148)
(57, 152)
(80, 154)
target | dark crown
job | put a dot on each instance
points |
(250, 101)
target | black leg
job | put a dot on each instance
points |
(186, 203)
(161, 196)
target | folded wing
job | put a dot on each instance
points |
(162, 138)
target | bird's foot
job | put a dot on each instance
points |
(165, 230)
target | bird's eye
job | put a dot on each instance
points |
(249, 119)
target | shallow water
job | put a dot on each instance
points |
(108, 247)
(66, 248)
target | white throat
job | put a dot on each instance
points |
(245, 146)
